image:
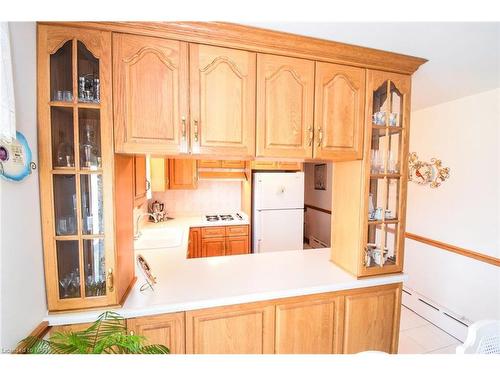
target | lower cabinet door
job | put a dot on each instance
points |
(237, 245)
(194, 247)
(309, 325)
(371, 320)
(166, 329)
(213, 247)
(239, 329)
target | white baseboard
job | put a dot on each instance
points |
(438, 315)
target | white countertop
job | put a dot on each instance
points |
(190, 284)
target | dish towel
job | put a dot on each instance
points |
(7, 102)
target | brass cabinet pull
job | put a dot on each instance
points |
(183, 127)
(310, 130)
(196, 131)
(110, 280)
(320, 137)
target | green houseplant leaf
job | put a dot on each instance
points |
(107, 335)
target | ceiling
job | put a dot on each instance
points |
(464, 57)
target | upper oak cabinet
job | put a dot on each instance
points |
(339, 112)
(150, 94)
(222, 101)
(285, 103)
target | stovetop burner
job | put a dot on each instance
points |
(227, 217)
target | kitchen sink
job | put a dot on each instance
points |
(156, 238)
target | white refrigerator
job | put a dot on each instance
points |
(278, 211)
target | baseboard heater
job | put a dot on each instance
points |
(438, 315)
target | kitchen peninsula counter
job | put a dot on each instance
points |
(190, 284)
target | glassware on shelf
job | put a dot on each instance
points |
(65, 153)
(392, 163)
(89, 88)
(371, 207)
(89, 150)
(377, 163)
(394, 119)
(379, 118)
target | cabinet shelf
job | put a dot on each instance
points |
(384, 175)
(381, 130)
(73, 104)
(387, 221)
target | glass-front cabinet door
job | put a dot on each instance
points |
(386, 169)
(76, 166)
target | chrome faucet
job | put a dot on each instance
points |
(138, 233)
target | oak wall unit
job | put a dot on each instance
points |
(196, 90)
(87, 243)
(376, 183)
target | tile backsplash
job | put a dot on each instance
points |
(210, 197)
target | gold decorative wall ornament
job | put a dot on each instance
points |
(424, 173)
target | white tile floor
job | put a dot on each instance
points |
(418, 336)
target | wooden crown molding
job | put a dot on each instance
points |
(256, 39)
(455, 249)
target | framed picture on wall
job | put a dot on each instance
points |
(319, 176)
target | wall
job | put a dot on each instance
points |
(211, 197)
(463, 211)
(22, 290)
(317, 222)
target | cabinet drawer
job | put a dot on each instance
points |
(233, 164)
(209, 163)
(237, 230)
(213, 232)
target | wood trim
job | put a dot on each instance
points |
(455, 249)
(256, 39)
(40, 331)
(329, 212)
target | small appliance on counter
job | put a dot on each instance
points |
(157, 211)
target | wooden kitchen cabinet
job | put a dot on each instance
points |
(371, 320)
(309, 325)
(213, 246)
(150, 89)
(160, 180)
(141, 183)
(165, 329)
(285, 105)
(219, 241)
(194, 245)
(238, 329)
(266, 165)
(87, 241)
(370, 243)
(237, 245)
(339, 112)
(222, 101)
(183, 174)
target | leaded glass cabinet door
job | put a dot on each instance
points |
(386, 150)
(76, 166)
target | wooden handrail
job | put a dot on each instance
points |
(318, 209)
(455, 249)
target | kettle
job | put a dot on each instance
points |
(156, 207)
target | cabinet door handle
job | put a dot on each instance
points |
(183, 128)
(110, 280)
(196, 131)
(320, 137)
(310, 129)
